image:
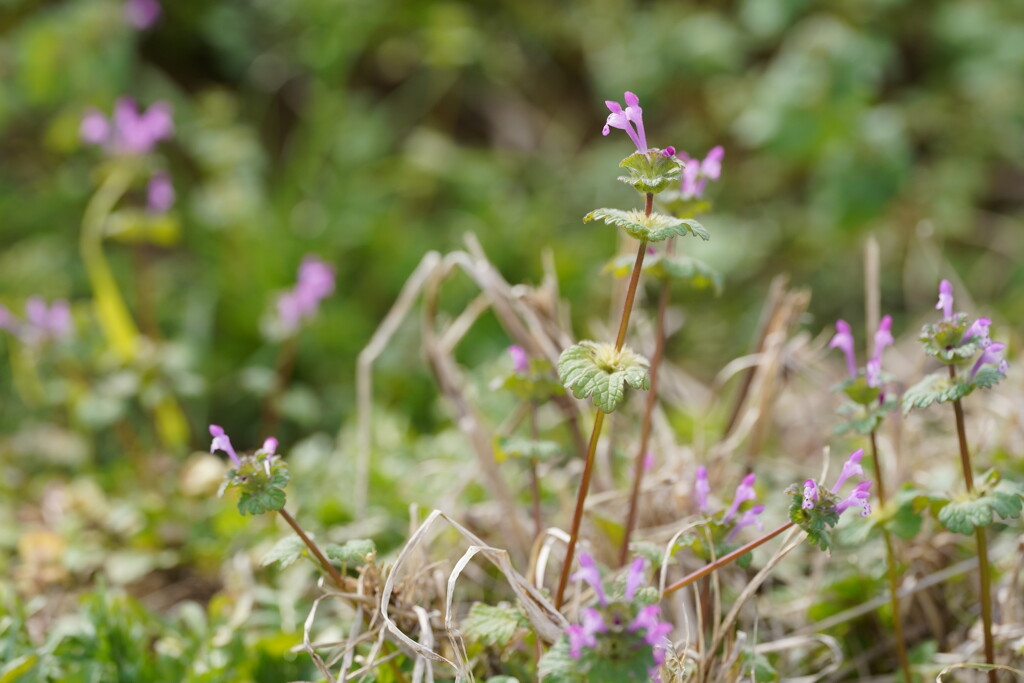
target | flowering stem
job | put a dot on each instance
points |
(314, 548)
(890, 561)
(979, 534)
(648, 418)
(724, 560)
(595, 434)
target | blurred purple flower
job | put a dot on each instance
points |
(142, 14)
(883, 339)
(222, 442)
(160, 193)
(843, 340)
(850, 468)
(858, 498)
(585, 634)
(588, 572)
(315, 282)
(696, 173)
(945, 303)
(993, 354)
(635, 577)
(669, 151)
(270, 444)
(520, 361)
(744, 492)
(748, 518)
(42, 323)
(702, 488)
(979, 328)
(649, 619)
(128, 131)
(630, 119)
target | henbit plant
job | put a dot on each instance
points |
(953, 341)
(599, 371)
(814, 509)
(685, 202)
(868, 405)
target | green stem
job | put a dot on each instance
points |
(648, 417)
(724, 560)
(979, 534)
(890, 561)
(595, 434)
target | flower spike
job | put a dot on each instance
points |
(945, 303)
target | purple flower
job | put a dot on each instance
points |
(270, 445)
(858, 498)
(979, 329)
(992, 354)
(635, 577)
(142, 14)
(630, 119)
(520, 362)
(588, 572)
(42, 323)
(669, 151)
(222, 442)
(945, 303)
(649, 619)
(810, 494)
(128, 131)
(648, 460)
(160, 193)
(315, 282)
(850, 468)
(585, 634)
(696, 173)
(843, 340)
(702, 488)
(744, 492)
(748, 518)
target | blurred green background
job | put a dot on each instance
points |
(372, 131)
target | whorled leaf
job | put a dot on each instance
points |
(864, 419)
(262, 478)
(945, 340)
(653, 228)
(526, 449)
(651, 171)
(601, 373)
(1004, 500)
(819, 520)
(935, 388)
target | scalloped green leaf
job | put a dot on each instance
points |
(284, 553)
(655, 227)
(651, 171)
(493, 625)
(935, 388)
(356, 551)
(963, 515)
(602, 373)
(987, 377)
(526, 449)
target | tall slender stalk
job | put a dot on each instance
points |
(890, 561)
(595, 434)
(724, 560)
(979, 534)
(538, 519)
(648, 418)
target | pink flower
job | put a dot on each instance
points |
(520, 361)
(585, 634)
(42, 323)
(222, 442)
(630, 119)
(991, 355)
(850, 468)
(315, 282)
(843, 340)
(702, 488)
(160, 193)
(945, 303)
(128, 131)
(635, 577)
(588, 572)
(858, 498)
(696, 173)
(810, 494)
(744, 492)
(142, 14)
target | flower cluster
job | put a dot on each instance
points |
(261, 477)
(744, 493)
(816, 509)
(623, 634)
(42, 323)
(957, 338)
(315, 283)
(131, 133)
(843, 340)
(630, 119)
(697, 173)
